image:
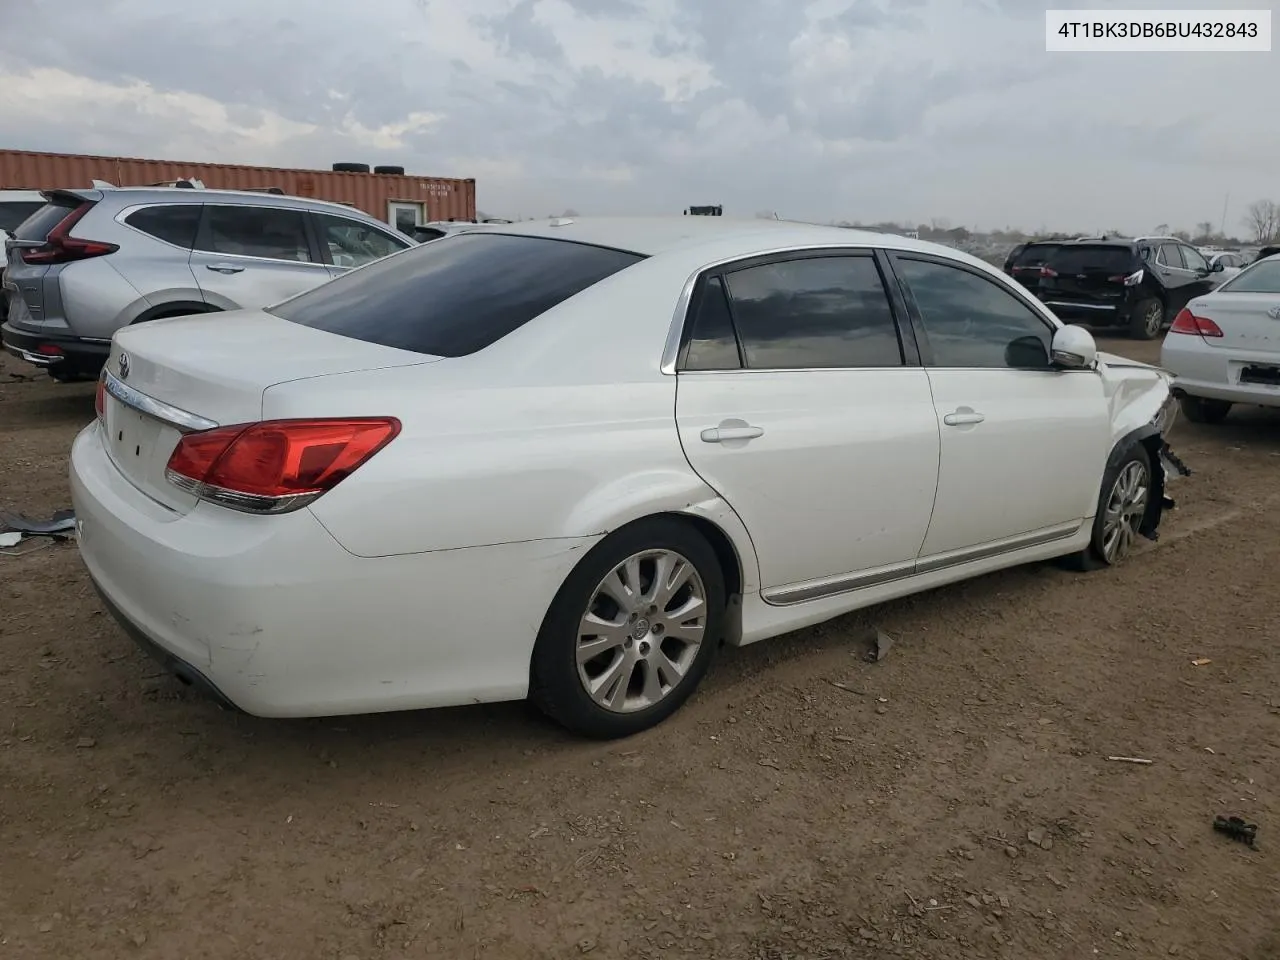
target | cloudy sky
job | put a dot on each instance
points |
(817, 109)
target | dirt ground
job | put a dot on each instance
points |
(954, 800)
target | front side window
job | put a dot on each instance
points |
(243, 231)
(816, 312)
(452, 299)
(971, 321)
(352, 243)
(1193, 258)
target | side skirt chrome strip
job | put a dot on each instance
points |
(846, 583)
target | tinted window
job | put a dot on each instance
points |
(1087, 258)
(1262, 277)
(815, 312)
(712, 344)
(1035, 255)
(455, 296)
(971, 321)
(1194, 258)
(13, 212)
(352, 243)
(1171, 256)
(174, 224)
(254, 232)
(38, 224)
(423, 234)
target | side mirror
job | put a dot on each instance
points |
(1216, 267)
(1074, 348)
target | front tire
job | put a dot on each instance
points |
(1122, 507)
(1147, 319)
(1202, 410)
(632, 631)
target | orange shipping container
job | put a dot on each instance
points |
(384, 196)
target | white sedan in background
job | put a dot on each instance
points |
(567, 459)
(1224, 347)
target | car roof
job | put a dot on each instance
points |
(206, 194)
(652, 236)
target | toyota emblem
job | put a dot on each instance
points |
(124, 366)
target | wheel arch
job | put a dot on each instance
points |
(174, 308)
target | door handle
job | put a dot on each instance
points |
(721, 434)
(963, 416)
(224, 268)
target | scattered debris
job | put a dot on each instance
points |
(881, 644)
(1237, 829)
(1140, 760)
(85, 743)
(10, 539)
(1201, 662)
(1038, 837)
(60, 524)
(846, 688)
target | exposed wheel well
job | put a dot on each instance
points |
(726, 553)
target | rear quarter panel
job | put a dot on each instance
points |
(97, 300)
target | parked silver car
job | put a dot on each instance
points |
(92, 261)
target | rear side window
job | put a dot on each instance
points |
(817, 312)
(13, 212)
(1090, 259)
(267, 232)
(712, 343)
(455, 296)
(174, 224)
(38, 224)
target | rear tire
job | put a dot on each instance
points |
(1122, 505)
(1147, 320)
(1203, 410)
(614, 657)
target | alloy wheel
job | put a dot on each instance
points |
(1154, 320)
(1126, 506)
(641, 631)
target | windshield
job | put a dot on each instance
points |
(1085, 259)
(1262, 277)
(454, 296)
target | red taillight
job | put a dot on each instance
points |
(100, 398)
(49, 350)
(1188, 322)
(1048, 272)
(60, 248)
(277, 465)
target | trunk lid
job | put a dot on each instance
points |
(1245, 319)
(212, 370)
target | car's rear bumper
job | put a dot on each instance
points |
(273, 616)
(1213, 373)
(65, 356)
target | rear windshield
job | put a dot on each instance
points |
(454, 296)
(1085, 258)
(13, 212)
(1034, 255)
(38, 224)
(1262, 277)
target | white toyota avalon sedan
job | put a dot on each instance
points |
(569, 459)
(1224, 347)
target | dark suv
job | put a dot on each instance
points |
(1026, 259)
(1137, 284)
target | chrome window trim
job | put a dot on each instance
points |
(184, 420)
(671, 348)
